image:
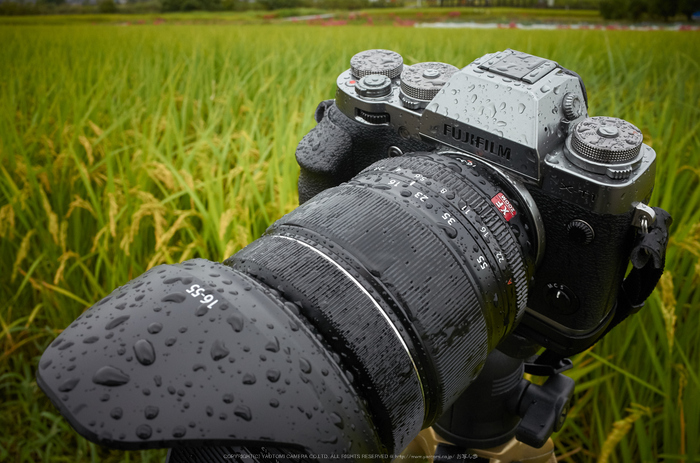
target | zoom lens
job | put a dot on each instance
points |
(413, 271)
(354, 322)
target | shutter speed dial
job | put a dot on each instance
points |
(384, 62)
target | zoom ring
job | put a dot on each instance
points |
(403, 251)
(436, 170)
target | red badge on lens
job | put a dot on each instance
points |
(503, 205)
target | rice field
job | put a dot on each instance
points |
(124, 148)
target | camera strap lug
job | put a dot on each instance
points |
(644, 217)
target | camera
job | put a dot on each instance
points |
(447, 216)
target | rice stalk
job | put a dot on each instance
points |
(620, 429)
(22, 253)
(668, 307)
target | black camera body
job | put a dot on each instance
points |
(587, 178)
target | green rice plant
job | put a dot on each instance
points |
(124, 148)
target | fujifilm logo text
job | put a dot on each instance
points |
(478, 142)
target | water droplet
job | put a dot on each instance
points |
(274, 403)
(228, 398)
(451, 232)
(292, 308)
(145, 353)
(68, 385)
(150, 412)
(336, 420)
(179, 431)
(242, 411)
(236, 322)
(305, 365)
(174, 297)
(170, 341)
(154, 328)
(199, 366)
(218, 350)
(248, 379)
(158, 380)
(521, 108)
(91, 340)
(110, 376)
(116, 413)
(545, 88)
(201, 310)
(65, 346)
(273, 346)
(116, 322)
(273, 375)
(144, 431)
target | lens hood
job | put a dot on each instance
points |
(199, 354)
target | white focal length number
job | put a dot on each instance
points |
(196, 292)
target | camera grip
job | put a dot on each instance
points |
(586, 276)
(339, 147)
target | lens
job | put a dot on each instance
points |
(353, 323)
(413, 272)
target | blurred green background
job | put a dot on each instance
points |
(124, 148)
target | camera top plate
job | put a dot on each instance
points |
(513, 110)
